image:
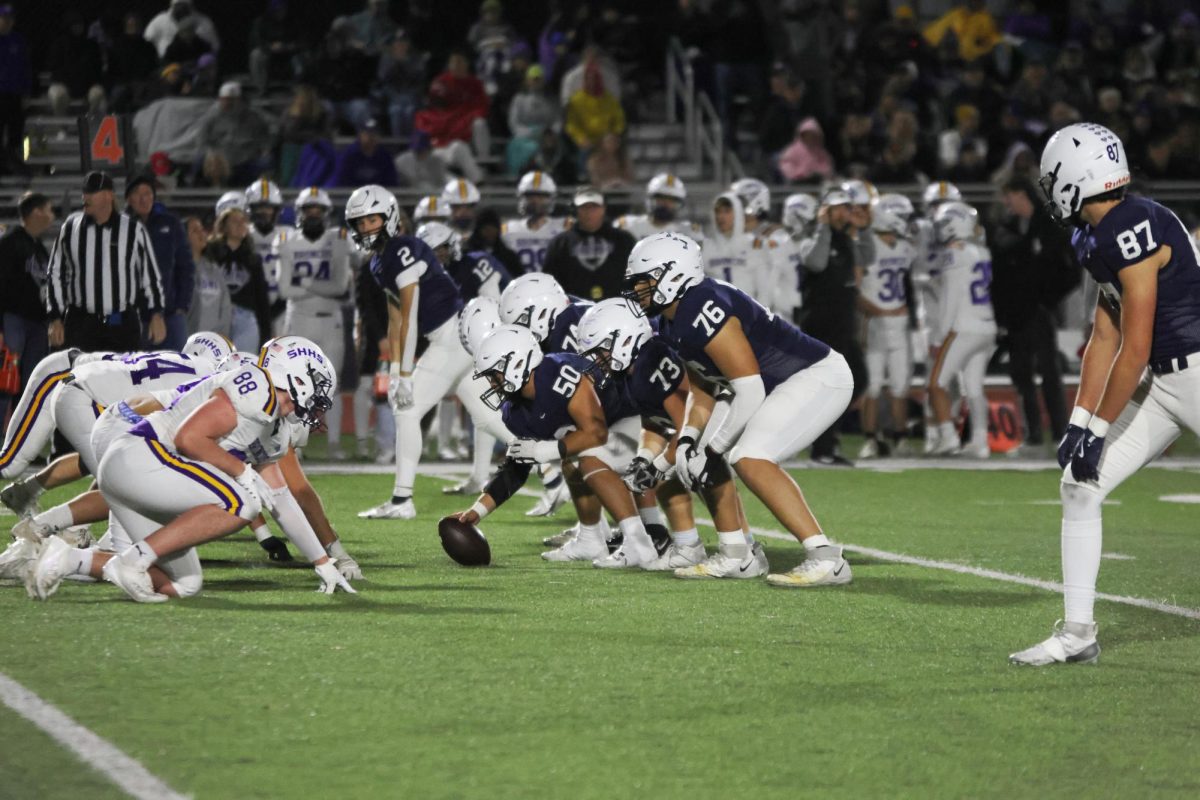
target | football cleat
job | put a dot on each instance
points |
(33, 531)
(469, 486)
(1070, 643)
(76, 536)
(660, 536)
(362, 450)
(579, 548)
(390, 510)
(823, 567)
(947, 447)
(276, 549)
(981, 452)
(17, 557)
(550, 501)
(678, 557)
(562, 537)
(132, 581)
(869, 449)
(47, 573)
(729, 562)
(630, 554)
(22, 496)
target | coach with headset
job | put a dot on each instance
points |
(102, 268)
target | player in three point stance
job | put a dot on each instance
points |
(1148, 314)
(786, 388)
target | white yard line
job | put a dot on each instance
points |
(99, 754)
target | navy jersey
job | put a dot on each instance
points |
(475, 270)
(654, 376)
(1135, 229)
(406, 260)
(562, 335)
(554, 383)
(781, 349)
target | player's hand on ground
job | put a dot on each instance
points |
(331, 579)
(400, 391)
(349, 568)
(1069, 444)
(1085, 463)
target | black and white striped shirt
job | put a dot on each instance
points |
(103, 269)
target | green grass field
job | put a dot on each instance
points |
(527, 679)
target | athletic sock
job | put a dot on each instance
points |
(733, 543)
(262, 533)
(685, 538)
(401, 498)
(140, 556)
(633, 530)
(652, 516)
(813, 542)
(1081, 543)
(947, 432)
(79, 562)
(57, 518)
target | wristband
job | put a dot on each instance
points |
(661, 464)
(690, 432)
(1098, 427)
(480, 509)
(394, 369)
(1080, 416)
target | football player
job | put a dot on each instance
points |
(462, 197)
(772, 247)
(800, 219)
(1147, 315)
(965, 329)
(315, 270)
(666, 200)
(263, 202)
(424, 301)
(786, 389)
(430, 208)
(729, 253)
(529, 234)
(552, 406)
(883, 301)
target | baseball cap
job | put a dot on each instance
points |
(97, 182)
(836, 197)
(588, 194)
(368, 125)
(230, 89)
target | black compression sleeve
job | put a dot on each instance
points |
(508, 479)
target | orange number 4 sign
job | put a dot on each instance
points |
(104, 142)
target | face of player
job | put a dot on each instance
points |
(264, 217)
(462, 217)
(665, 209)
(370, 225)
(286, 405)
(723, 216)
(537, 205)
(312, 221)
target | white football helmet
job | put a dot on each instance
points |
(231, 200)
(299, 367)
(312, 196)
(207, 347)
(533, 301)
(800, 212)
(263, 192)
(892, 213)
(506, 358)
(460, 192)
(955, 222)
(937, 193)
(861, 193)
(611, 334)
(235, 360)
(754, 194)
(430, 208)
(664, 184)
(438, 234)
(1081, 161)
(478, 319)
(669, 264)
(535, 184)
(368, 200)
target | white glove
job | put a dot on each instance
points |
(346, 565)
(534, 451)
(331, 579)
(691, 462)
(400, 391)
(256, 487)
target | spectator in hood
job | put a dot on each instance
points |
(162, 29)
(806, 158)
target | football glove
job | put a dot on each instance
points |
(276, 549)
(694, 464)
(1085, 462)
(534, 451)
(1069, 443)
(254, 486)
(346, 565)
(400, 391)
(641, 475)
(332, 579)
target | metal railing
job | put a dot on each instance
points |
(703, 133)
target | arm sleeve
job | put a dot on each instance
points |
(749, 394)
(151, 278)
(510, 477)
(56, 274)
(815, 251)
(296, 527)
(185, 270)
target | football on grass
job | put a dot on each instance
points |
(465, 543)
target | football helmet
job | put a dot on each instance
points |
(299, 367)
(208, 347)
(439, 234)
(478, 319)
(664, 184)
(263, 199)
(236, 359)
(754, 194)
(800, 212)
(893, 214)
(669, 264)
(861, 193)
(611, 334)
(460, 192)
(505, 358)
(231, 200)
(535, 184)
(939, 192)
(1081, 161)
(313, 227)
(954, 222)
(368, 200)
(533, 301)
(430, 208)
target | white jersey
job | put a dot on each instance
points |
(963, 287)
(260, 437)
(883, 282)
(778, 253)
(529, 244)
(112, 379)
(732, 259)
(314, 276)
(264, 245)
(641, 226)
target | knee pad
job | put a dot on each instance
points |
(1080, 502)
(188, 586)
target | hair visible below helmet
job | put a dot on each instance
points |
(955, 222)
(300, 368)
(535, 183)
(211, 348)
(235, 360)
(1080, 162)
(368, 200)
(263, 192)
(480, 317)
(937, 193)
(510, 353)
(800, 211)
(439, 234)
(460, 192)
(533, 301)
(611, 334)
(754, 194)
(430, 207)
(230, 200)
(669, 263)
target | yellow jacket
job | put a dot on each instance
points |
(590, 117)
(976, 31)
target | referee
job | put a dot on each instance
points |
(102, 270)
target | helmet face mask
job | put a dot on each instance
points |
(366, 202)
(660, 269)
(445, 242)
(299, 367)
(1081, 163)
(506, 358)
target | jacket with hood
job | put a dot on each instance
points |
(732, 258)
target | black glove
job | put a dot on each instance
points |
(641, 475)
(275, 548)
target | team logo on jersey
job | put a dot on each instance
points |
(592, 252)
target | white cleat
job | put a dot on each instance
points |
(732, 562)
(579, 549)
(678, 557)
(22, 497)
(77, 536)
(550, 501)
(1071, 643)
(631, 553)
(870, 449)
(469, 486)
(981, 452)
(947, 447)
(17, 557)
(132, 581)
(33, 531)
(390, 510)
(823, 567)
(45, 575)
(386, 457)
